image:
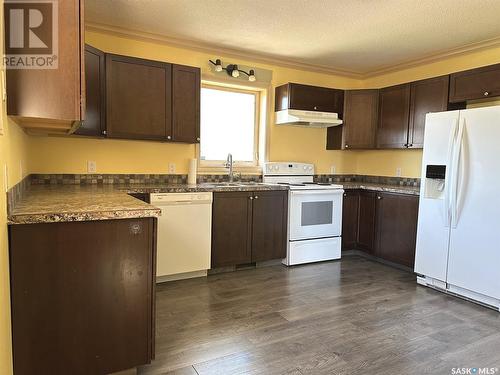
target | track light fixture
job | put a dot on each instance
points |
(232, 70)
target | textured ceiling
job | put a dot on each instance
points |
(359, 36)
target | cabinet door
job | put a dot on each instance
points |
(360, 119)
(138, 98)
(314, 98)
(366, 227)
(396, 227)
(231, 228)
(350, 208)
(394, 112)
(430, 95)
(52, 94)
(186, 104)
(95, 115)
(269, 225)
(75, 288)
(475, 84)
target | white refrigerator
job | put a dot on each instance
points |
(458, 235)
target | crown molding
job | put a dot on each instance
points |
(217, 50)
(435, 57)
(286, 63)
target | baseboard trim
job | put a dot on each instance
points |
(181, 276)
(355, 252)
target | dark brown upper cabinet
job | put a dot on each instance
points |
(308, 98)
(185, 104)
(429, 95)
(473, 84)
(53, 100)
(138, 98)
(360, 119)
(95, 89)
(394, 111)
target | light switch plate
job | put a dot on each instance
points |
(333, 170)
(91, 166)
(398, 172)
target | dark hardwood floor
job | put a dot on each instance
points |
(346, 317)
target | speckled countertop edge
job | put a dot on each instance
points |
(410, 190)
(68, 203)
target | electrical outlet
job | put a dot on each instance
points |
(91, 166)
(171, 168)
(333, 169)
(398, 172)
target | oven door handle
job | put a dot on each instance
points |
(318, 192)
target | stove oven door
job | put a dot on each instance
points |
(315, 214)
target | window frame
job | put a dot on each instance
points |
(218, 165)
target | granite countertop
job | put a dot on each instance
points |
(64, 203)
(411, 190)
(208, 186)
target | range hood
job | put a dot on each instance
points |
(309, 119)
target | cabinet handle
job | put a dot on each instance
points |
(410, 145)
(405, 144)
(315, 107)
(486, 93)
(346, 146)
(104, 132)
(379, 197)
(198, 139)
(169, 137)
(251, 198)
(345, 194)
(256, 197)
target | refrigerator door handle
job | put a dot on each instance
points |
(457, 163)
(449, 174)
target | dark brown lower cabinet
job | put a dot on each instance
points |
(350, 219)
(366, 230)
(248, 227)
(386, 225)
(396, 228)
(231, 229)
(269, 225)
(82, 296)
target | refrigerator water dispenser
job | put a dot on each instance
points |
(435, 181)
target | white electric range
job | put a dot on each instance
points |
(314, 213)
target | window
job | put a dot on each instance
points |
(229, 124)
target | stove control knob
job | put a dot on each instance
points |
(310, 168)
(305, 168)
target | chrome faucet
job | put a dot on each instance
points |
(229, 165)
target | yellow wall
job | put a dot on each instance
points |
(12, 153)
(69, 155)
(410, 161)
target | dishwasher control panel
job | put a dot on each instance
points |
(173, 198)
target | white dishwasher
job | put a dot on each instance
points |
(184, 235)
